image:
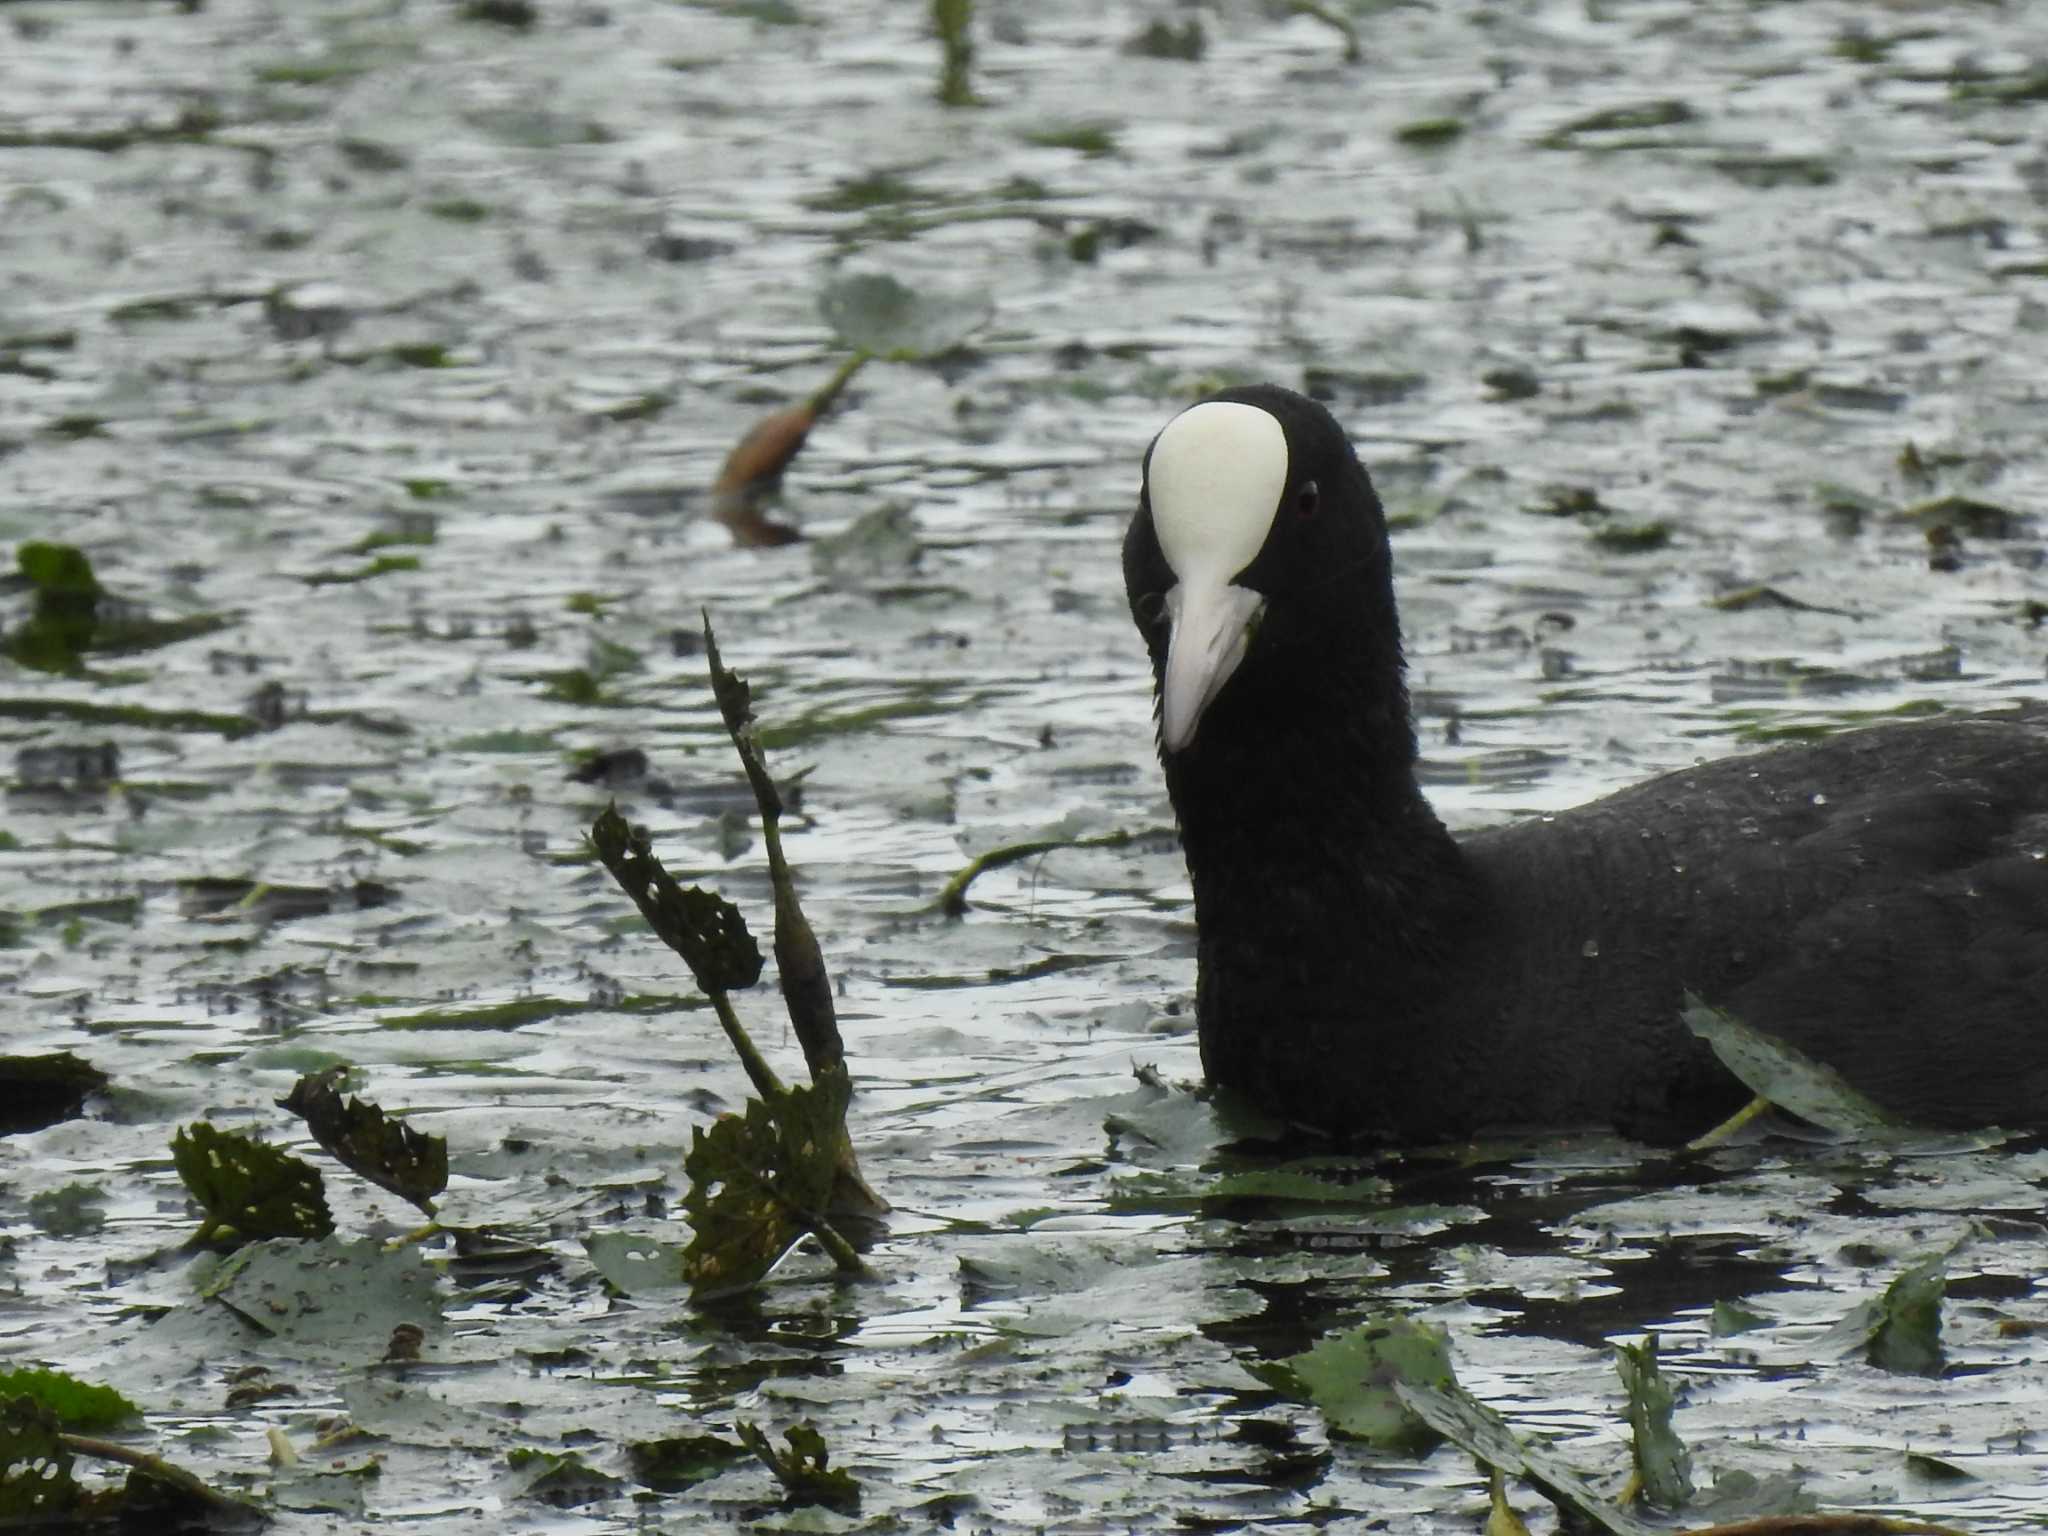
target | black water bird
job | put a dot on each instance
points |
(1877, 898)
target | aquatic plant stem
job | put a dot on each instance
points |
(822, 400)
(1708, 1140)
(151, 1465)
(759, 1073)
(952, 898)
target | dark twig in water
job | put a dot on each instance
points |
(229, 1510)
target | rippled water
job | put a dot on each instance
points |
(280, 282)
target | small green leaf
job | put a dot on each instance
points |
(1732, 1317)
(1352, 1378)
(1663, 1464)
(359, 1136)
(69, 1212)
(802, 1470)
(248, 1190)
(876, 314)
(78, 1405)
(1773, 1070)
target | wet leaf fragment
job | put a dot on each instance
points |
(247, 1190)
(1663, 1464)
(361, 1137)
(759, 1181)
(803, 1470)
(38, 1091)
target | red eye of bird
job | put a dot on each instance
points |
(1305, 499)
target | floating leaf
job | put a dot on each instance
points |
(802, 1470)
(248, 1190)
(758, 1182)
(359, 1136)
(74, 614)
(68, 1212)
(1773, 1070)
(1663, 1464)
(1352, 1378)
(36, 1486)
(681, 1462)
(876, 314)
(328, 1296)
(78, 1405)
(634, 1265)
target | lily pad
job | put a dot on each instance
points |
(328, 1296)
(872, 312)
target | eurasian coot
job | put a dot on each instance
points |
(1878, 898)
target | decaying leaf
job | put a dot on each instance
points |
(360, 1136)
(758, 1182)
(78, 1405)
(248, 1190)
(707, 931)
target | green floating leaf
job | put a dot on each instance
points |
(876, 314)
(36, 1486)
(248, 1191)
(1475, 1428)
(802, 1470)
(1663, 1464)
(78, 1405)
(1732, 1317)
(74, 614)
(1773, 1070)
(758, 1182)
(1353, 1378)
(680, 1463)
(708, 932)
(360, 1136)
(36, 1091)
